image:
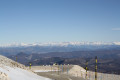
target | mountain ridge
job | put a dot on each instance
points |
(58, 47)
(59, 44)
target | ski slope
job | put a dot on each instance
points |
(11, 70)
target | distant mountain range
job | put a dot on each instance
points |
(67, 53)
(65, 44)
(41, 48)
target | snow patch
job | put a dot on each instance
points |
(21, 74)
(11, 70)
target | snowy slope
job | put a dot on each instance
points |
(11, 70)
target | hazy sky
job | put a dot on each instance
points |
(59, 20)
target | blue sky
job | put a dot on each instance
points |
(32, 21)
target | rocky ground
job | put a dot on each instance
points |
(56, 72)
(71, 72)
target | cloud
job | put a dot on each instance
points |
(116, 29)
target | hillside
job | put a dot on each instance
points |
(108, 60)
(11, 70)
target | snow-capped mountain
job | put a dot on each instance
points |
(57, 47)
(60, 44)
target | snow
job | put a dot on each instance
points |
(44, 70)
(76, 69)
(58, 44)
(20, 74)
(11, 70)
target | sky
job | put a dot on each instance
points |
(32, 21)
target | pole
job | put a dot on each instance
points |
(86, 68)
(16, 58)
(67, 69)
(96, 68)
(51, 69)
(30, 65)
(58, 69)
(62, 68)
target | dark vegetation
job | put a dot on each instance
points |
(108, 60)
(47, 49)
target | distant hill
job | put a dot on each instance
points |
(57, 47)
(108, 60)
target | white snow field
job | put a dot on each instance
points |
(11, 70)
(44, 70)
(47, 68)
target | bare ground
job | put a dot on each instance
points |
(73, 72)
(58, 75)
